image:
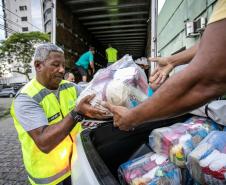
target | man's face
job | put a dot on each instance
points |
(52, 70)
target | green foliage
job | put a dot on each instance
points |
(19, 49)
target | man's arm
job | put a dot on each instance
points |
(91, 62)
(167, 64)
(92, 66)
(183, 57)
(49, 136)
(201, 81)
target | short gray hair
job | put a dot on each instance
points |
(42, 51)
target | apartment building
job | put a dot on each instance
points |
(17, 16)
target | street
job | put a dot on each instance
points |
(12, 171)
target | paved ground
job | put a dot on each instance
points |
(11, 165)
(5, 106)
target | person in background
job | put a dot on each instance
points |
(69, 77)
(111, 54)
(83, 63)
(201, 81)
(47, 120)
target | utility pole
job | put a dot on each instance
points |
(53, 34)
(154, 17)
(154, 20)
(4, 17)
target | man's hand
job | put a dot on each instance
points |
(85, 108)
(120, 116)
(162, 71)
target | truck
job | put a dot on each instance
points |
(130, 26)
(76, 25)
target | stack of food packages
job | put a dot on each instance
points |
(172, 146)
(207, 162)
(178, 140)
(150, 169)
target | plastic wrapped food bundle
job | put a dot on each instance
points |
(178, 140)
(123, 83)
(207, 162)
(150, 169)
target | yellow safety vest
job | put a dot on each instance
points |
(53, 167)
(111, 54)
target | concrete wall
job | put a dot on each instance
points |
(171, 23)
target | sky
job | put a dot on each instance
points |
(35, 13)
(160, 5)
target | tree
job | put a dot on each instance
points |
(18, 50)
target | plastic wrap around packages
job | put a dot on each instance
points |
(123, 83)
(150, 169)
(178, 140)
(207, 162)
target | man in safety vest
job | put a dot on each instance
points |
(47, 120)
(111, 54)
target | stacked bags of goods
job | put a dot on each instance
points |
(178, 140)
(150, 169)
(207, 162)
(123, 83)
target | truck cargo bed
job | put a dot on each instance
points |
(107, 147)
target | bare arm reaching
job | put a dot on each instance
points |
(201, 81)
(167, 64)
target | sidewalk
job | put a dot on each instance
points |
(4, 112)
(12, 171)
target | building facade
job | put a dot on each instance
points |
(46, 6)
(173, 34)
(17, 16)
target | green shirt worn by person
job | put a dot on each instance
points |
(85, 60)
(111, 54)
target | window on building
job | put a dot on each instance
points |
(23, 18)
(25, 29)
(23, 8)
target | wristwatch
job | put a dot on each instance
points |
(77, 117)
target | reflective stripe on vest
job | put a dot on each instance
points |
(49, 179)
(44, 92)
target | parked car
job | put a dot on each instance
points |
(7, 92)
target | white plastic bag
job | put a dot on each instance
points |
(123, 83)
(149, 169)
(207, 162)
(216, 110)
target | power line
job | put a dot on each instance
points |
(10, 21)
(20, 17)
(9, 30)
